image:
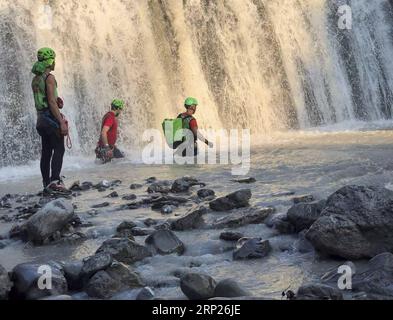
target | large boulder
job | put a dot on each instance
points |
(165, 242)
(229, 288)
(238, 199)
(319, 292)
(254, 248)
(5, 284)
(93, 264)
(26, 278)
(357, 223)
(197, 286)
(73, 275)
(102, 286)
(243, 217)
(124, 250)
(122, 273)
(191, 220)
(377, 278)
(52, 218)
(303, 215)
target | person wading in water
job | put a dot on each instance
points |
(51, 125)
(190, 123)
(106, 148)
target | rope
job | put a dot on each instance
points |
(68, 142)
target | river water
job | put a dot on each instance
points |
(299, 162)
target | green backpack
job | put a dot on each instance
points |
(171, 128)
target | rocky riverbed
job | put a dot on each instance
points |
(306, 210)
(354, 224)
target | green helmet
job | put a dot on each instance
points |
(191, 102)
(118, 104)
(46, 54)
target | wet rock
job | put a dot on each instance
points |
(165, 242)
(73, 275)
(191, 220)
(123, 274)
(163, 226)
(103, 184)
(159, 202)
(198, 286)
(206, 193)
(5, 284)
(130, 197)
(281, 223)
(303, 199)
(25, 277)
(93, 264)
(19, 231)
(125, 233)
(135, 186)
(145, 293)
(102, 286)
(231, 236)
(115, 183)
(229, 288)
(251, 249)
(76, 186)
(131, 206)
(303, 215)
(234, 200)
(318, 292)
(151, 180)
(49, 220)
(150, 222)
(124, 250)
(114, 194)
(302, 244)
(356, 223)
(101, 205)
(140, 232)
(242, 218)
(377, 278)
(159, 187)
(167, 209)
(126, 225)
(245, 180)
(184, 184)
(86, 186)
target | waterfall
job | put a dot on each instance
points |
(267, 65)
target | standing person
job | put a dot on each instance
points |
(190, 123)
(106, 148)
(51, 125)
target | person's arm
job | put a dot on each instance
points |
(104, 135)
(199, 135)
(54, 108)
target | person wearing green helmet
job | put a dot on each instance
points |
(51, 125)
(190, 123)
(106, 148)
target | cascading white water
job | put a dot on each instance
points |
(266, 65)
